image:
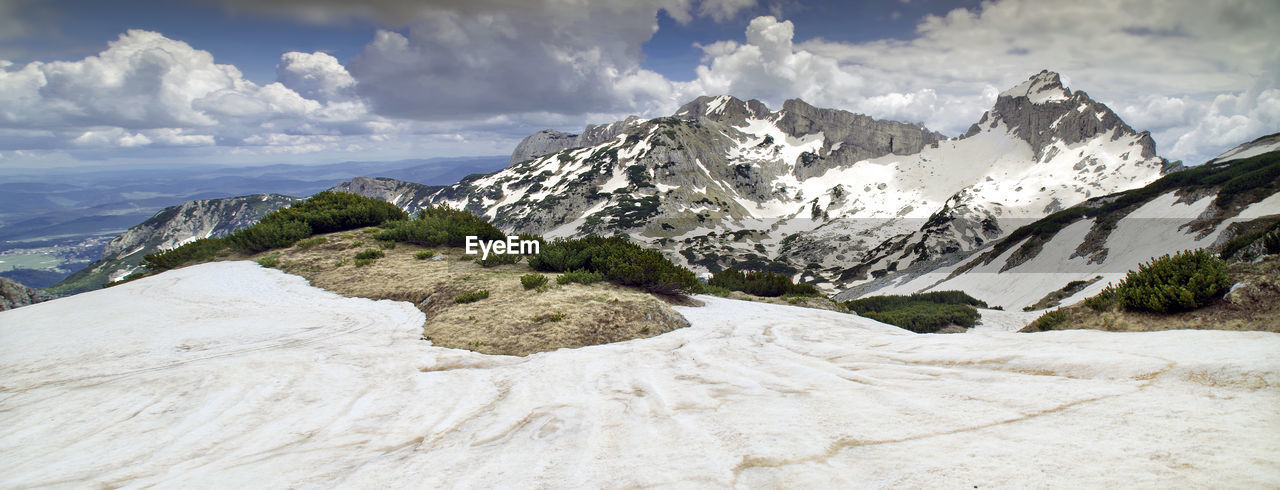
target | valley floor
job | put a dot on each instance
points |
(227, 374)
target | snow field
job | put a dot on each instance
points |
(227, 374)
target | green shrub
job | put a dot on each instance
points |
(890, 302)
(197, 251)
(331, 211)
(927, 317)
(1184, 281)
(439, 226)
(579, 276)
(550, 317)
(364, 262)
(1103, 301)
(268, 235)
(386, 244)
(471, 297)
(618, 261)
(921, 312)
(535, 280)
(270, 261)
(424, 254)
(720, 291)
(370, 254)
(310, 242)
(499, 259)
(766, 284)
(1050, 320)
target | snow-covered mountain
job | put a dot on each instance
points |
(1098, 241)
(835, 197)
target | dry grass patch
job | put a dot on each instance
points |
(512, 320)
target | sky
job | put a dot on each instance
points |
(245, 82)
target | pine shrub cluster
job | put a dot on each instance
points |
(531, 281)
(618, 261)
(1172, 283)
(579, 276)
(767, 284)
(440, 226)
(922, 312)
(325, 212)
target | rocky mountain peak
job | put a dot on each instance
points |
(1042, 87)
(722, 108)
(1041, 111)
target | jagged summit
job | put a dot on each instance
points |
(1042, 112)
(1042, 87)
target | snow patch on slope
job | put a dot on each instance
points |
(248, 377)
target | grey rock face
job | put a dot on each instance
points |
(408, 196)
(550, 141)
(850, 137)
(1047, 112)
(14, 295)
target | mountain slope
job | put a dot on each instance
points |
(1098, 241)
(832, 197)
(169, 228)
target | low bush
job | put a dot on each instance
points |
(766, 284)
(618, 261)
(927, 317)
(531, 281)
(363, 262)
(1050, 320)
(197, 251)
(579, 276)
(370, 254)
(889, 302)
(310, 242)
(499, 259)
(386, 244)
(270, 261)
(424, 254)
(921, 312)
(1181, 282)
(267, 235)
(720, 291)
(1103, 301)
(439, 226)
(471, 297)
(331, 211)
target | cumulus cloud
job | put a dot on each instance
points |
(1161, 65)
(145, 89)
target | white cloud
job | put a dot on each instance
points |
(145, 89)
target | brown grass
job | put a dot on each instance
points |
(511, 321)
(1253, 306)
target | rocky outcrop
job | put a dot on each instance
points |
(408, 196)
(850, 137)
(1041, 111)
(14, 295)
(550, 141)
